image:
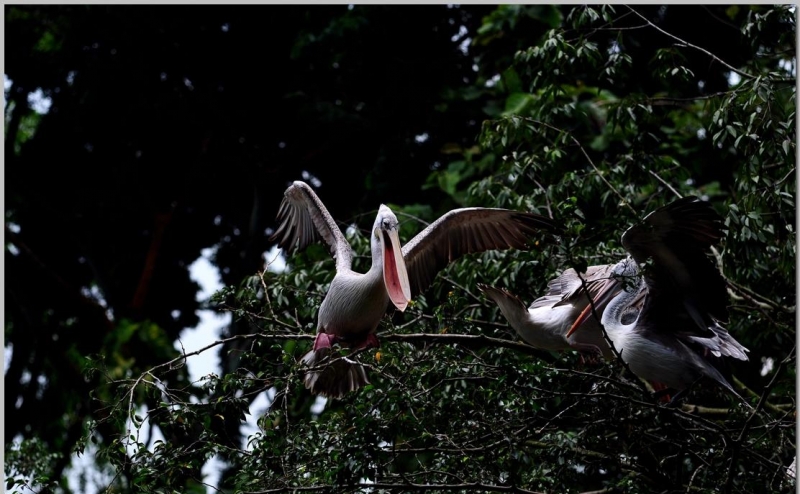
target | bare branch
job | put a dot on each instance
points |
(475, 486)
(617, 353)
(689, 45)
(469, 340)
(737, 444)
(759, 300)
(664, 183)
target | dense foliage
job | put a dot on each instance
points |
(594, 116)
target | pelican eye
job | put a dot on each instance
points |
(388, 224)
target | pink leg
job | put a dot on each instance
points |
(324, 340)
(371, 341)
(661, 391)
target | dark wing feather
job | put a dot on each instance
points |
(675, 239)
(685, 221)
(466, 231)
(303, 219)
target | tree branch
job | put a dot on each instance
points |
(586, 155)
(737, 444)
(689, 45)
(664, 183)
(759, 300)
(400, 486)
(468, 340)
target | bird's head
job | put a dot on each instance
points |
(395, 276)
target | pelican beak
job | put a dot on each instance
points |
(395, 276)
(608, 292)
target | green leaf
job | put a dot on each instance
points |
(511, 81)
(517, 103)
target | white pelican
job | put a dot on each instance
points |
(355, 302)
(663, 317)
(545, 323)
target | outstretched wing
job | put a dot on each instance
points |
(303, 219)
(465, 231)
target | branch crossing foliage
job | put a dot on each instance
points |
(593, 115)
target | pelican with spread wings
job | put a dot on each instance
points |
(356, 302)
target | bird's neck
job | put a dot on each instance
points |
(375, 273)
(377, 255)
(612, 315)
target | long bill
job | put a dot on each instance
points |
(604, 296)
(395, 276)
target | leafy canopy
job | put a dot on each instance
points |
(594, 116)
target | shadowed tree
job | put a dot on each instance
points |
(173, 129)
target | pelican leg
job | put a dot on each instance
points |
(661, 392)
(680, 394)
(324, 340)
(674, 401)
(371, 341)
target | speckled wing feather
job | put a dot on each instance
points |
(303, 219)
(567, 288)
(465, 231)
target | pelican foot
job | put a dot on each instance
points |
(588, 354)
(665, 396)
(673, 403)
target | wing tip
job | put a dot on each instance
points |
(493, 291)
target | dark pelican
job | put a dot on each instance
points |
(355, 302)
(545, 323)
(663, 303)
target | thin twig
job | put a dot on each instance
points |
(755, 297)
(664, 182)
(596, 314)
(622, 199)
(737, 444)
(473, 486)
(690, 45)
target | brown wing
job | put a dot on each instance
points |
(303, 219)
(466, 231)
(503, 298)
(569, 288)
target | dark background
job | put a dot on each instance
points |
(173, 129)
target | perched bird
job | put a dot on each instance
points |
(356, 302)
(545, 323)
(664, 302)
